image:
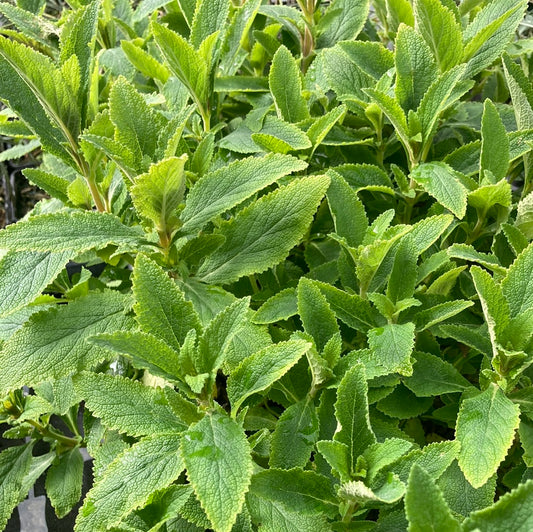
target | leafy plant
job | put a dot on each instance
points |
(303, 238)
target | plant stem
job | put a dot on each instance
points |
(47, 432)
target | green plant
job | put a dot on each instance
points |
(314, 225)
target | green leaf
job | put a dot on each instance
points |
(494, 304)
(281, 306)
(434, 376)
(217, 337)
(439, 27)
(146, 352)
(64, 482)
(425, 506)
(210, 16)
(127, 406)
(391, 347)
(431, 316)
(494, 143)
(380, 455)
(342, 21)
(136, 124)
(157, 194)
(129, 481)
(64, 231)
(257, 372)
(322, 126)
(442, 182)
(371, 57)
(25, 274)
(358, 493)
(351, 411)
(487, 36)
(316, 315)
(52, 184)
(336, 455)
(485, 428)
(14, 465)
(145, 63)
(305, 492)
(161, 308)
(280, 136)
(295, 436)
(487, 196)
(512, 507)
(184, 61)
(416, 69)
(286, 87)
(219, 467)
(230, 185)
(517, 285)
(403, 277)
(346, 209)
(461, 496)
(262, 234)
(52, 343)
(78, 39)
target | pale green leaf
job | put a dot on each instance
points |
(286, 87)
(437, 24)
(14, 465)
(257, 372)
(316, 315)
(146, 352)
(425, 506)
(210, 16)
(391, 347)
(52, 343)
(517, 285)
(322, 126)
(277, 132)
(219, 467)
(262, 234)
(343, 20)
(441, 181)
(296, 490)
(157, 193)
(295, 436)
(161, 308)
(357, 492)
(431, 316)
(68, 231)
(53, 185)
(351, 411)
(64, 482)
(434, 376)
(281, 306)
(127, 483)
(230, 185)
(514, 507)
(485, 428)
(380, 455)
(145, 63)
(402, 280)
(494, 143)
(25, 274)
(371, 57)
(127, 406)
(416, 69)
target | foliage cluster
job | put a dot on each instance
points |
(311, 230)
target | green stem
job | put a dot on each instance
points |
(47, 432)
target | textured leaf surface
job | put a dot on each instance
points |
(210, 16)
(148, 466)
(351, 411)
(391, 347)
(425, 506)
(52, 344)
(14, 465)
(295, 436)
(25, 274)
(518, 284)
(440, 181)
(262, 234)
(228, 186)
(515, 507)
(263, 368)
(485, 428)
(286, 87)
(127, 406)
(494, 143)
(161, 308)
(64, 482)
(62, 231)
(300, 491)
(345, 19)
(281, 306)
(219, 467)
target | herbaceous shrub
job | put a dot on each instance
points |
(313, 225)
